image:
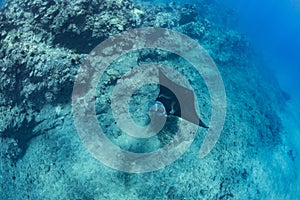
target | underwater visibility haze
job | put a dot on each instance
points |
(139, 99)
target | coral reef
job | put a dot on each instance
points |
(41, 42)
(42, 45)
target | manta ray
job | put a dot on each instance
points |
(174, 99)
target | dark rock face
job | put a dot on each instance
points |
(42, 44)
(76, 25)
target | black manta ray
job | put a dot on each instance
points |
(168, 102)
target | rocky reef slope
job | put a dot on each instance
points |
(43, 44)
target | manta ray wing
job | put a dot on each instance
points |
(169, 96)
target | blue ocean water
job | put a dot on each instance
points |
(274, 28)
(248, 162)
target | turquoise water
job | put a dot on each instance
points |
(244, 78)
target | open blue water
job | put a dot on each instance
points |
(256, 47)
(274, 28)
